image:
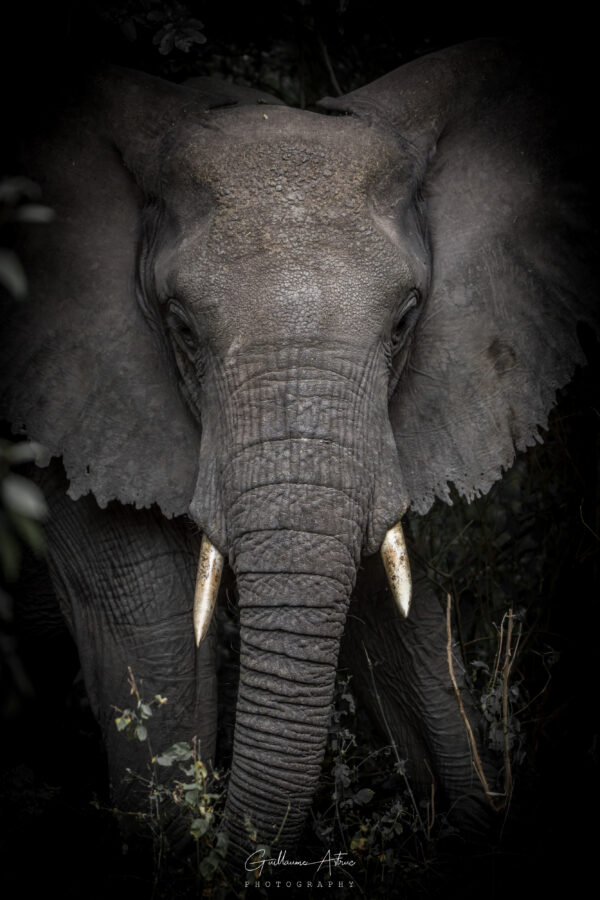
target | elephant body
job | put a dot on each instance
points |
(280, 329)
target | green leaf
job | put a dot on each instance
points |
(250, 829)
(145, 711)
(221, 844)
(164, 39)
(122, 722)
(192, 786)
(12, 274)
(141, 732)
(342, 774)
(165, 760)
(363, 796)
(34, 212)
(21, 452)
(13, 189)
(22, 496)
(209, 865)
(177, 752)
(199, 827)
(181, 750)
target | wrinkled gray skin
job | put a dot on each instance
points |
(287, 327)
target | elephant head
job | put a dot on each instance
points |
(291, 326)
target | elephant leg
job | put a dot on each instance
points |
(408, 691)
(125, 583)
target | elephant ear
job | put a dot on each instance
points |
(499, 172)
(82, 372)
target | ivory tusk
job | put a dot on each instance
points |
(397, 568)
(210, 566)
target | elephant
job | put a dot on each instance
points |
(259, 335)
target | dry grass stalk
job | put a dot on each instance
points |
(496, 801)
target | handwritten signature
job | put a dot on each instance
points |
(258, 860)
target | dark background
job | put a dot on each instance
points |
(531, 544)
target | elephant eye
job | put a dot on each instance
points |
(179, 327)
(404, 320)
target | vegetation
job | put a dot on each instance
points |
(192, 794)
(22, 506)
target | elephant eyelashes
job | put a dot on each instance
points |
(404, 322)
(179, 328)
(397, 347)
(187, 352)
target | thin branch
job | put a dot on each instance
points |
(284, 820)
(492, 683)
(585, 524)
(430, 807)
(476, 758)
(509, 658)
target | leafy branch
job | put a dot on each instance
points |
(193, 789)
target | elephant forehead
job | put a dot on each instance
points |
(286, 164)
(285, 173)
(295, 195)
(289, 217)
(286, 211)
(282, 141)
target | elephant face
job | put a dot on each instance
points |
(232, 269)
(290, 327)
(234, 251)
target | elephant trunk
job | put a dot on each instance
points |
(308, 452)
(294, 583)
